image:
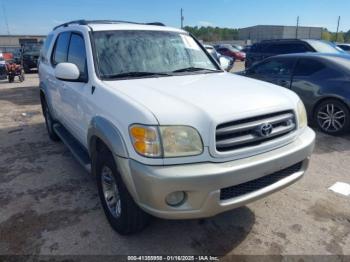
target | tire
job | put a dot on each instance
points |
(49, 122)
(122, 212)
(332, 117)
(21, 76)
(11, 79)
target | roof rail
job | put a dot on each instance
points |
(87, 22)
(282, 39)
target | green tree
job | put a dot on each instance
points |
(326, 35)
(347, 37)
(338, 38)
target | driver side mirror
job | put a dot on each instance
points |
(67, 72)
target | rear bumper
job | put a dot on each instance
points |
(203, 182)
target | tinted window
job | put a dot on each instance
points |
(257, 47)
(287, 48)
(60, 53)
(274, 67)
(345, 47)
(308, 67)
(77, 53)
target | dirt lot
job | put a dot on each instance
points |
(49, 204)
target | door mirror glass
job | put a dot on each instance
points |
(226, 62)
(67, 72)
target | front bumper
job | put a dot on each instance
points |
(203, 182)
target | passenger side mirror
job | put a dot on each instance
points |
(67, 72)
(226, 62)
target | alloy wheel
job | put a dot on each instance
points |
(331, 118)
(111, 192)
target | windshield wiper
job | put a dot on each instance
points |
(194, 69)
(135, 74)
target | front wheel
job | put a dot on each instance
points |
(332, 117)
(122, 212)
(11, 78)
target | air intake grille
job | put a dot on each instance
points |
(254, 131)
(254, 185)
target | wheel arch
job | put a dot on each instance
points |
(322, 99)
(101, 129)
(102, 133)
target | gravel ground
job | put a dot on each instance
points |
(49, 205)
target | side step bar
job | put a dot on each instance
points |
(78, 151)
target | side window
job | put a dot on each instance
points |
(277, 67)
(308, 67)
(45, 48)
(61, 46)
(345, 47)
(293, 48)
(77, 54)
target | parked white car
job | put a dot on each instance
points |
(163, 128)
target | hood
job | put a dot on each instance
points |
(205, 98)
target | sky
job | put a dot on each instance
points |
(40, 16)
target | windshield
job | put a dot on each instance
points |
(123, 52)
(324, 47)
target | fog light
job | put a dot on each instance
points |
(175, 198)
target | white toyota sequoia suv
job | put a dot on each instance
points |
(164, 129)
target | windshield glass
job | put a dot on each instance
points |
(324, 47)
(122, 52)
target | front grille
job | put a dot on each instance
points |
(247, 132)
(254, 185)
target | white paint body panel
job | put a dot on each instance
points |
(199, 100)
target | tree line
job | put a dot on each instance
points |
(342, 37)
(214, 34)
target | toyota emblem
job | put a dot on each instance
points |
(265, 130)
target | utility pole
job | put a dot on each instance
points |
(182, 19)
(5, 17)
(336, 35)
(297, 29)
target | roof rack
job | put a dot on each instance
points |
(87, 22)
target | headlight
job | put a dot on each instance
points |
(145, 140)
(302, 116)
(176, 141)
(180, 141)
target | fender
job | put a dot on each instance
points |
(109, 134)
(103, 129)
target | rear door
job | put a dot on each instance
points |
(274, 70)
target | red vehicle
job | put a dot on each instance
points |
(228, 50)
(14, 70)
